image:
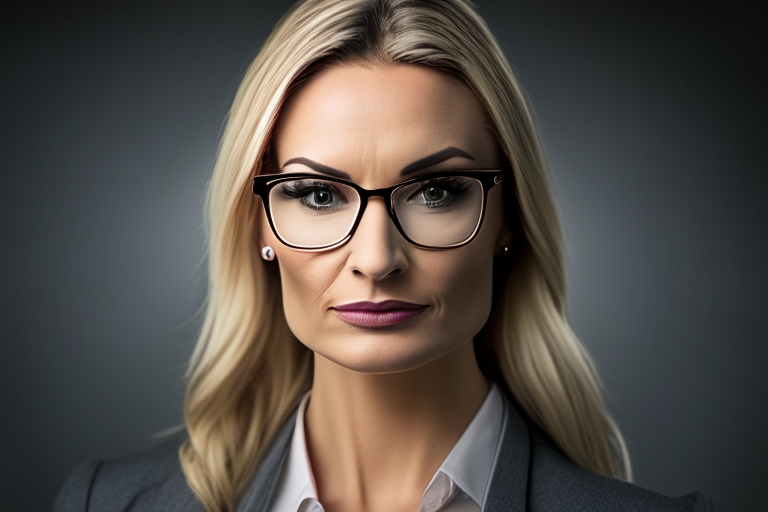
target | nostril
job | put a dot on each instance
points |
(395, 272)
(392, 273)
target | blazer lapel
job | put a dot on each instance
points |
(262, 487)
(509, 481)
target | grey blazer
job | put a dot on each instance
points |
(531, 474)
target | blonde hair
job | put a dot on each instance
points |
(248, 371)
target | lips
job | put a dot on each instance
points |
(378, 314)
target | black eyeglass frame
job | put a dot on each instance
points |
(263, 185)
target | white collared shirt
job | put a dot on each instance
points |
(459, 485)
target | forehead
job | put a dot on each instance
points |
(371, 122)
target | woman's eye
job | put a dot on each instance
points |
(438, 193)
(315, 196)
(433, 194)
(322, 197)
(319, 197)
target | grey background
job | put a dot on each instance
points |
(653, 115)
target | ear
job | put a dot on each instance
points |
(504, 240)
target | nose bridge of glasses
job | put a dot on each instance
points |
(384, 193)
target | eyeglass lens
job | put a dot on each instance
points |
(436, 213)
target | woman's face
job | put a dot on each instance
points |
(372, 122)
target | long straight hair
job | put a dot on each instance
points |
(248, 371)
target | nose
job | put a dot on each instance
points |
(377, 248)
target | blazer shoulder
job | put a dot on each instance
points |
(76, 491)
(147, 481)
(558, 484)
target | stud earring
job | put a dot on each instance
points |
(267, 253)
(505, 250)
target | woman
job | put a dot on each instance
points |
(382, 233)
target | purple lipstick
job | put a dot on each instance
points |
(378, 314)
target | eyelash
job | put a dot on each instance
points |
(454, 186)
(301, 193)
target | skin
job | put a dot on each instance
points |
(387, 404)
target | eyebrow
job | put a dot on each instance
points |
(434, 158)
(421, 163)
(315, 166)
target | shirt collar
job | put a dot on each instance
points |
(296, 483)
(468, 465)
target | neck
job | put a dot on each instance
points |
(372, 437)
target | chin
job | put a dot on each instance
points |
(382, 353)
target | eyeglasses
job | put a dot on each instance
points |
(314, 212)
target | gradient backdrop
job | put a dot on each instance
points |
(653, 115)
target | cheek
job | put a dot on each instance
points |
(463, 279)
(464, 276)
(305, 279)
